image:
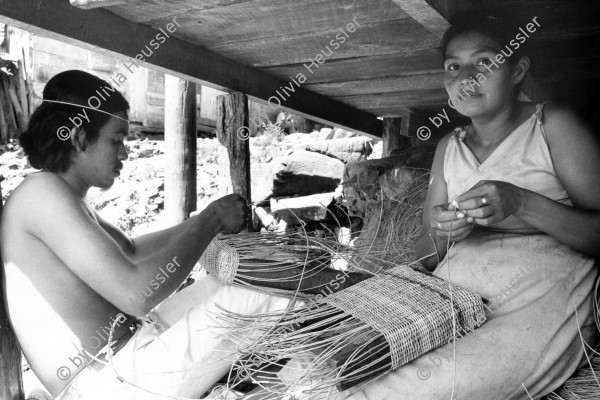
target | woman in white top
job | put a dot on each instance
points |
(517, 196)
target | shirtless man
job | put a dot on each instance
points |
(69, 273)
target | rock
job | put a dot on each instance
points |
(326, 133)
(339, 133)
(377, 150)
(294, 210)
(345, 150)
(146, 153)
(305, 173)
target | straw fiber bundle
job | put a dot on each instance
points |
(394, 223)
(581, 386)
(358, 333)
(585, 383)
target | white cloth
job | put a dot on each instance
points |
(181, 352)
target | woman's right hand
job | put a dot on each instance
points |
(448, 224)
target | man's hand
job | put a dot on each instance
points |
(489, 202)
(232, 212)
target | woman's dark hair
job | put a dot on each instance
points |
(497, 26)
(41, 141)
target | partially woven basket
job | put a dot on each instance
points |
(361, 332)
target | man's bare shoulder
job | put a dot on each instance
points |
(38, 194)
(41, 184)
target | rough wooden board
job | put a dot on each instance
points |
(404, 37)
(264, 19)
(408, 83)
(87, 28)
(425, 14)
(395, 101)
(362, 68)
(144, 10)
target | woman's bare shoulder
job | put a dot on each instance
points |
(560, 120)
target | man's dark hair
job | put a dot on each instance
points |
(41, 141)
(496, 25)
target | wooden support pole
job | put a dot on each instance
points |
(392, 136)
(11, 383)
(138, 96)
(232, 123)
(180, 144)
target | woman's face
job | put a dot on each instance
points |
(477, 84)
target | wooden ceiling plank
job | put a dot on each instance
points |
(57, 19)
(425, 15)
(385, 38)
(276, 18)
(408, 83)
(399, 100)
(363, 68)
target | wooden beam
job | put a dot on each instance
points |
(88, 4)
(425, 15)
(180, 141)
(88, 29)
(392, 136)
(232, 123)
(11, 382)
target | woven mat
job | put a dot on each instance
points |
(413, 311)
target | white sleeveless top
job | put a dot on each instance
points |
(523, 159)
(533, 282)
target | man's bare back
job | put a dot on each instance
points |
(54, 313)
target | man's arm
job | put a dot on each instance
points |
(144, 246)
(96, 258)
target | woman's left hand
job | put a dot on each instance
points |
(489, 202)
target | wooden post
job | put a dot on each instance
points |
(391, 135)
(138, 96)
(11, 381)
(180, 144)
(233, 133)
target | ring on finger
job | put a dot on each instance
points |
(483, 200)
(439, 225)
